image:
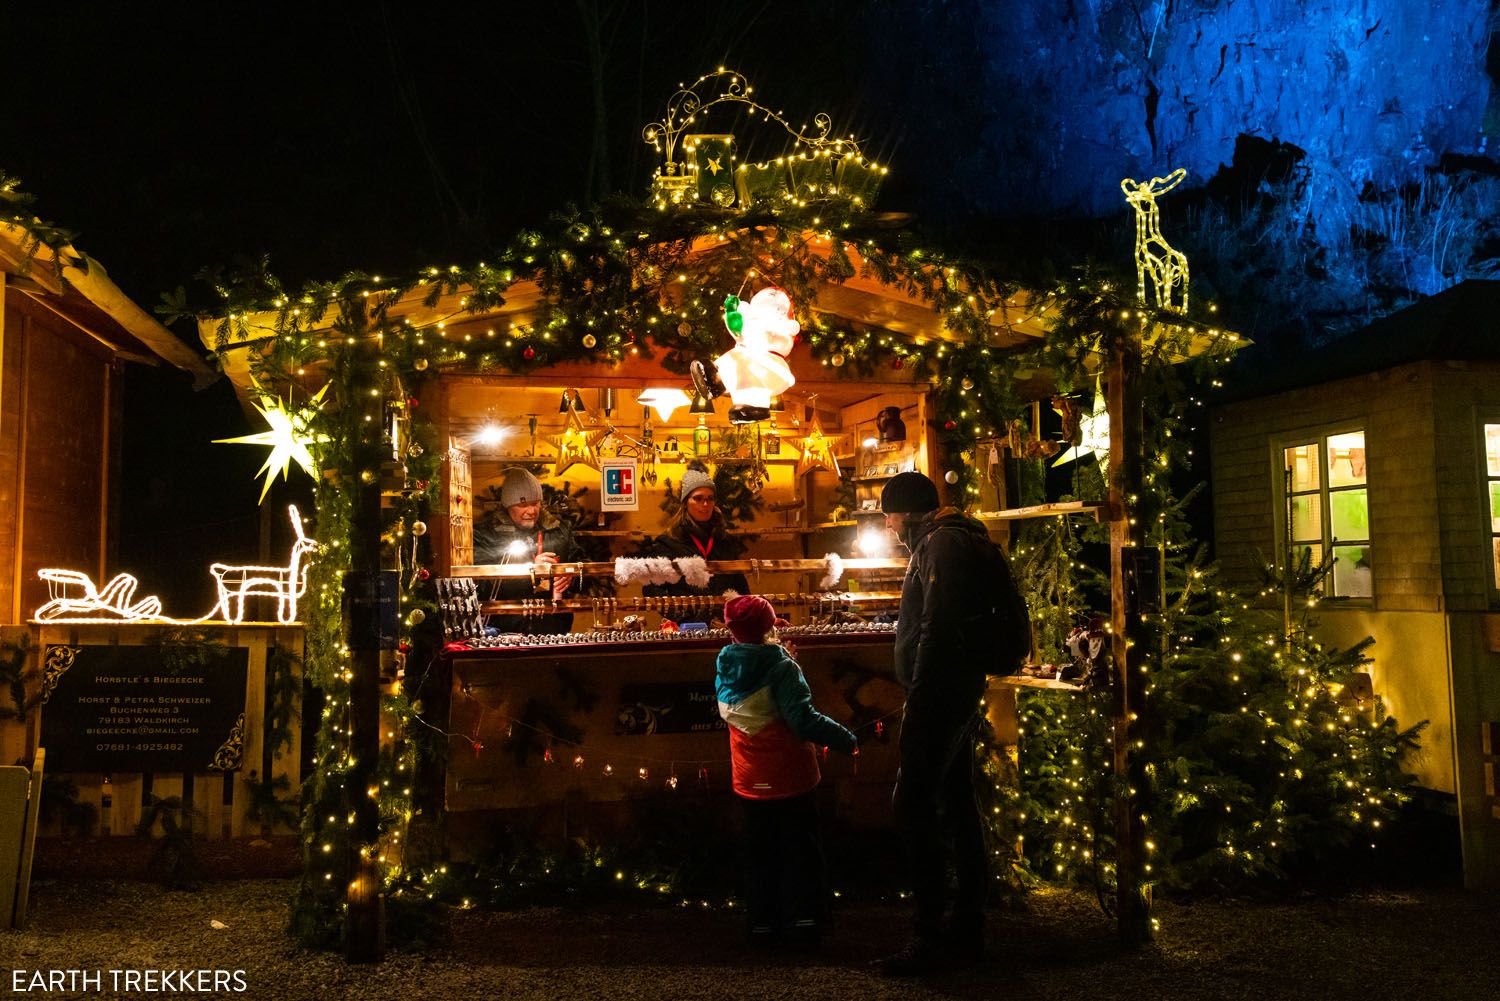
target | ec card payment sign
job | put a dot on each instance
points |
(619, 481)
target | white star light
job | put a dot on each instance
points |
(288, 438)
(1093, 428)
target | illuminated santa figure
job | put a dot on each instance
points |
(755, 369)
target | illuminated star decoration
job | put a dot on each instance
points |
(1093, 428)
(817, 451)
(288, 437)
(714, 166)
(575, 444)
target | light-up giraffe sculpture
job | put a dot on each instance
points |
(1168, 267)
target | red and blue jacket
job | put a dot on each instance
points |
(773, 727)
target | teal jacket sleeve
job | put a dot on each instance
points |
(794, 699)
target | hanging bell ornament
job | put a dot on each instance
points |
(419, 528)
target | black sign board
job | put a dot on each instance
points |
(1142, 579)
(116, 709)
(685, 707)
(371, 604)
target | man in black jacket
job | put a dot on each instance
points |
(941, 650)
(526, 532)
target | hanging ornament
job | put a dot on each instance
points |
(367, 476)
(817, 451)
(949, 425)
(589, 340)
(950, 477)
(837, 359)
(528, 353)
(1093, 435)
(417, 617)
(419, 528)
(420, 364)
(898, 364)
(415, 449)
(684, 328)
(967, 383)
(755, 369)
(575, 444)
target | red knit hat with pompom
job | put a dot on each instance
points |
(749, 617)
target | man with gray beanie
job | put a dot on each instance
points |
(526, 532)
(943, 643)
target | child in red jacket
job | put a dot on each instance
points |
(773, 728)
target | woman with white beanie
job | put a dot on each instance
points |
(697, 529)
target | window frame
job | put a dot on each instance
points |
(1319, 435)
(1488, 533)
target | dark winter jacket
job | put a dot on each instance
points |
(678, 544)
(940, 647)
(774, 730)
(492, 545)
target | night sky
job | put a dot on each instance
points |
(335, 137)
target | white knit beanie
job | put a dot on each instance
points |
(518, 486)
(694, 477)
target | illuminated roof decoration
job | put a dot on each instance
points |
(288, 437)
(817, 165)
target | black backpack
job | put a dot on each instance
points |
(1004, 624)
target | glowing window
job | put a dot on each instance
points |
(1492, 487)
(1328, 509)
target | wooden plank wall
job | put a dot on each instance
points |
(56, 405)
(220, 803)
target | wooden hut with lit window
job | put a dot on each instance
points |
(1383, 451)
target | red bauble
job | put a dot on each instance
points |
(423, 574)
(529, 353)
(898, 363)
(949, 425)
(412, 402)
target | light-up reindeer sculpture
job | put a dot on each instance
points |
(285, 584)
(1168, 267)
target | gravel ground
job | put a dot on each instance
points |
(1433, 944)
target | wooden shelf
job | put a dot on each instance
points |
(515, 460)
(835, 524)
(1043, 511)
(1026, 681)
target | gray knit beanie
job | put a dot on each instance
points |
(694, 477)
(518, 486)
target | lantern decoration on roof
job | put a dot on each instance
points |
(755, 370)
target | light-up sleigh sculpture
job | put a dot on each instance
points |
(76, 598)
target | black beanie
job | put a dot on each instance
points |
(909, 493)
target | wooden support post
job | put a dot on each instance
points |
(1126, 536)
(364, 927)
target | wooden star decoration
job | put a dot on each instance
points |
(576, 445)
(817, 451)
